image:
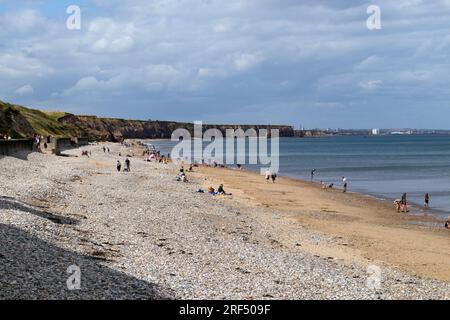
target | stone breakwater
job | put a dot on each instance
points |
(143, 235)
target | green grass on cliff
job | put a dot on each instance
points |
(43, 123)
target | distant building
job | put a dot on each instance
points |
(375, 132)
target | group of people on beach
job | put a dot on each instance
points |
(86, 153)
(331, 185)
(220, 191)
(402, 204)
(127, 165)
(271, 176)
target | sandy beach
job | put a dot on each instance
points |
(364, 229)
(144, 235)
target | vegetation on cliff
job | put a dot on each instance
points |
(19, 122)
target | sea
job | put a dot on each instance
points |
(382, 166)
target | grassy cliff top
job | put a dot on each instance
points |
(19, 121)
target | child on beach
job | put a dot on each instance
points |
(447, 223)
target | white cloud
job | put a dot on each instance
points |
(21, 66)
(180, 57)
(246, 61)
(22, 21)
(107, 35)
(371, 85)
(25, 90)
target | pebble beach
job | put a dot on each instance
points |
(144, 235)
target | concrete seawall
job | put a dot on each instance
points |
(63, 144)
(10, 147)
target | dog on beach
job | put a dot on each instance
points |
(398, 204)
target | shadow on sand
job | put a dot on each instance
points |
(22, 155)
(31, 268)
(11, 203)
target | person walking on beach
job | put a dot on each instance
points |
(404, 203)
(313, 172)
(104, 149)
(119, 166)
(426, 203)
(274, 177)
(344, 181)
(127, 165)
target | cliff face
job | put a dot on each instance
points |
(118, 129)
(19, 121)
(13, 123)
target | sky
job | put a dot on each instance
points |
(306, 63)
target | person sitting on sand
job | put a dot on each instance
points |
(221, 190)
(447, 223)
(211, 190)
(331, 186)
(324, 186)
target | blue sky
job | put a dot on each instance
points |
(311, 63)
